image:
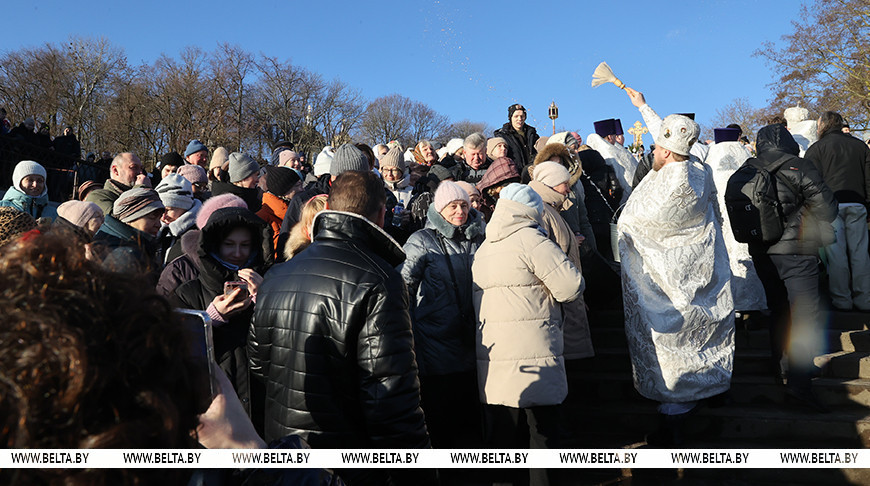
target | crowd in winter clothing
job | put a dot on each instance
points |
(430, 296)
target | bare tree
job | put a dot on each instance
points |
(464, 128)
(825, 63)
(396, 117)
(230, 66)
(741, 112)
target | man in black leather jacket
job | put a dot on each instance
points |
(789, 268)
(332, 337)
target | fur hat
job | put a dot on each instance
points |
(323, 162)
(346, 158)
(393, 158)
(136, 203)
(194, 173)
(214, 203)
(242, 166)
(175, 192)
(447, 192)
(193, 147)
(79, 212)
(677, 134)
(24, 169)
(551, 174)
(524, 194)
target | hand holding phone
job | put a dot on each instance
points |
(229, 287)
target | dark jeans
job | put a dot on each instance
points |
(533, 427)
(791, 285)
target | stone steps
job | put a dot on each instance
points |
(745, 389)
(724, 425)
(845, 364)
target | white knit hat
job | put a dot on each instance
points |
(24, 169)
(323, 161)
(453, 145)
(677, 134)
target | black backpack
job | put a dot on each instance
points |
(753, 204)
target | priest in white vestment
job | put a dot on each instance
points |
(726, 155)
(616, 156)
(679, 313)
(802, 130)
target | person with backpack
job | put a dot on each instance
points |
(788, 266)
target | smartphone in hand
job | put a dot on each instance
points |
(198, 327)
(236, 284)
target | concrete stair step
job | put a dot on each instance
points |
(841, 428)
(746, 361)
(845, 364)
(852, 341)
(848, 321)
(745, 389)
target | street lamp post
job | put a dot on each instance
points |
(554, 113)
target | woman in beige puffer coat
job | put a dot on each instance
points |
(520, 277)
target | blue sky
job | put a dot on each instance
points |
(466, 59)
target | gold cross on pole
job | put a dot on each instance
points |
(638, 130)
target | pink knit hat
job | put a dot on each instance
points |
(193, 173)
(448, 192)
(79, 212)
(214, 203)
(469, 188)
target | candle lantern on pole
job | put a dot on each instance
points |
(554, 113)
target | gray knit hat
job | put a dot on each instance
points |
(175, 192)
(136, 203)
(394, 158)
(346, 158)
(242, 166)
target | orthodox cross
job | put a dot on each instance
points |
(638, 130)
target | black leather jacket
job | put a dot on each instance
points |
(808, 204)
(332, 339)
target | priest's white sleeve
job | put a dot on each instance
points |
(652, 120)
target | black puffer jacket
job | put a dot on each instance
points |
(844, 164)
(332, 340)
(230, 339)
(808, 213)
(522, 152)
(443, 328)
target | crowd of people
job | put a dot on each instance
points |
(384, 297)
